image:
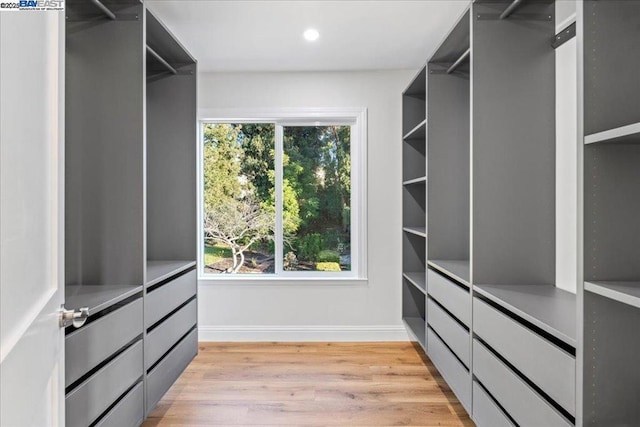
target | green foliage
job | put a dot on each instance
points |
(328, 255)
(328, 266)
(215, 253)
(309, 246)
(316, 188)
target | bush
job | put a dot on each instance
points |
(328, 266)
(328, 256)
(309, 246)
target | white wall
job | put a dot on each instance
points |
(371, 311)
(566, 153)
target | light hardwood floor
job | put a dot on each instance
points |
(310, 384)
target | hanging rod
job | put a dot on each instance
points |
(162, 60)
(104, 9)
(509, 10)
(459, 61)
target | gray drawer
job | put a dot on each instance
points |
(162, 377)
(451, 296)
(546, 365)
(454, 335)
(166, 298)
(522, 403)
(450, 368)
(129, 412)
(86, 347)
(486, 412)
(162, 338)
(89, 400)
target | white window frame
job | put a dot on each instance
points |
(357, 119)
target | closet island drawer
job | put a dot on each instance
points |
(545, 364)
(128, 412)
(486, 412)
(169, 369)
(164, 299)
(522, 403)
(89, 400)
(454, 335)
(450, 368)
(162, 338)
(452, 297)
(95, 342)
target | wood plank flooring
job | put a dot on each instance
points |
(309, 384)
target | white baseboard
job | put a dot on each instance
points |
(302, 333)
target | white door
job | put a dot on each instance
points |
(31, 218)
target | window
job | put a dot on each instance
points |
(283, 197)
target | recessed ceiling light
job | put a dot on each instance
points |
(311, 35)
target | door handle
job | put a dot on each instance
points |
(73, 317)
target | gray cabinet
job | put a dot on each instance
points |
(609, 154)
(130, 176)
(500, 332)
(414, 232)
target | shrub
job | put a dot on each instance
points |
(328, 266)
(328, 256)
(309, 246)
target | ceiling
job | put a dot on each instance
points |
(265, 35)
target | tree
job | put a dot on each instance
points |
(238, 224)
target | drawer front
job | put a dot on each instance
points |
(486, 412)
(163, 300)
(450, 368)
(162, 338)
(454, 335)
(86, 347)
(166, 372)
(88, 401)
(522, 403)
(546, 365)
(129, 412)
(451, 296)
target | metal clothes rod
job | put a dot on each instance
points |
(104, 9)
(509, 10)
(162, 60)
(459, 61)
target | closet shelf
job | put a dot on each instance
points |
(418, 231)
(551, 309)
(417, 279)
(157, 271)
(420, 180)
(626, 292)
(98, 297)
(417, 326)
(455, 269)
(418, 132)
(621, 135)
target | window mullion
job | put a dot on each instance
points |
(279, 240)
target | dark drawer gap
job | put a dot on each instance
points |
(95, 316)
(171, 349)
(453, 316)
(101, 365)
(113, 405)
(530, 383)
(464, 365)
(170, 279)
(171, 313)
(544, 334)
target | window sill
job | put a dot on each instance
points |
(226, 280)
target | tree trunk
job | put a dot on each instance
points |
(241, 263)
(235, 259)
